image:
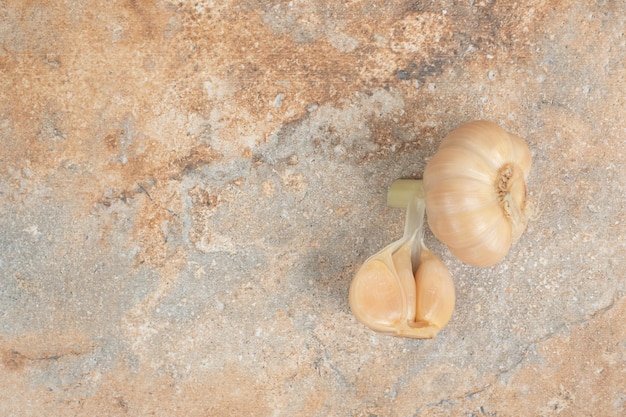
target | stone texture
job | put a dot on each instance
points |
(188, 187)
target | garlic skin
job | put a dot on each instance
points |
(404, 290)
(475, 188)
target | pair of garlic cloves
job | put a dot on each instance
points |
(475, 197)
(404, 289)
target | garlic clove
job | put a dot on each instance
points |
(480, 230)
(493, 243)
(376, 296)
(460, 162)
(521, 154)
(483, 139)
(382, 293)
(435, 291)
(462, 196)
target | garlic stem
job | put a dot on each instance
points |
(409, 194)
(402, 190)
(414, 228)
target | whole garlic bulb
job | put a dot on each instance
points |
(475, 187)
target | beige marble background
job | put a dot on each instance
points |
(188, 187)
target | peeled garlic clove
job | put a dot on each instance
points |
(435, 291)
(475, 188)
(377, 298)
(404, 289)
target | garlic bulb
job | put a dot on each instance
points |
(475, 187)
(404, 289)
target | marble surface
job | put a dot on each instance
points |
(188, 187)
